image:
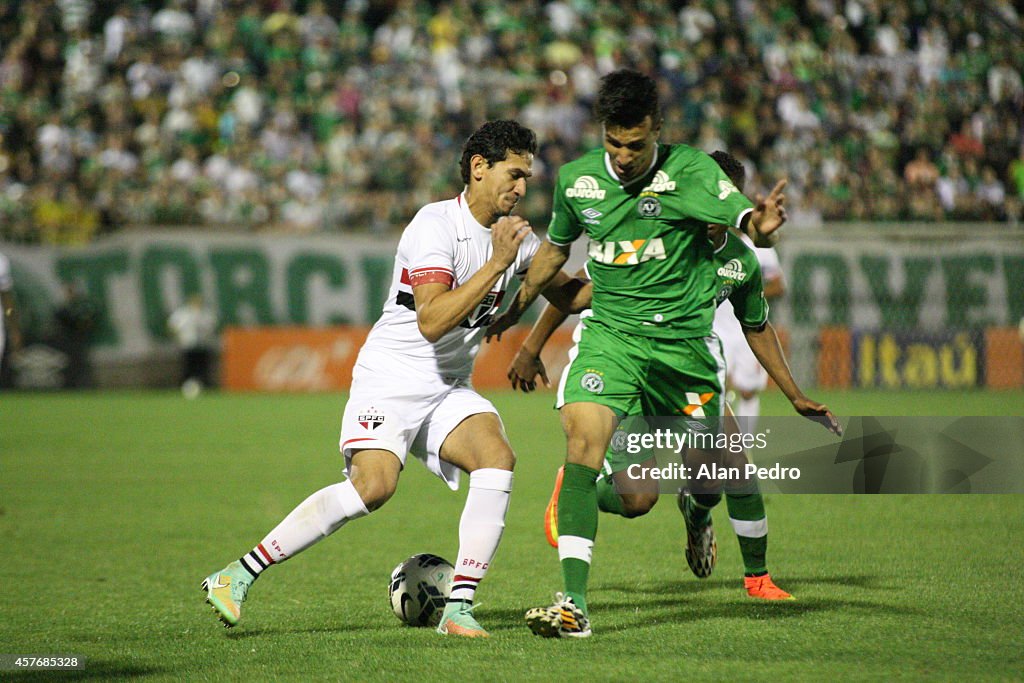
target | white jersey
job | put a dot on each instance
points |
(193, 327)
(443, 243)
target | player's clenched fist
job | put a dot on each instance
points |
(507, 234)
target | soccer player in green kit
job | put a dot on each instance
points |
(738, 279)
(648, 348)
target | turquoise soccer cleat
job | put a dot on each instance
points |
(226, 591)
(458, 620)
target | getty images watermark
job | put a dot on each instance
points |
(706, 437)
(797, 455)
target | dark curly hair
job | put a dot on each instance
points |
(494, 140)
(732, 167)
(625, 98)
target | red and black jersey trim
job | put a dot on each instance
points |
(406, 299)
(428, 275)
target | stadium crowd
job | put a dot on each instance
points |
(310, 116)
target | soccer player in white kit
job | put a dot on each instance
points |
(411, 390)
(744, 374)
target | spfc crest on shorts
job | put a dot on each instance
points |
(370, 420)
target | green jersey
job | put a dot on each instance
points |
(738, 279)
(650, 258)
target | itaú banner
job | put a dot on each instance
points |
(887, 359)
(302, 359)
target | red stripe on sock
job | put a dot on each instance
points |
(265, 554)
(459, 578)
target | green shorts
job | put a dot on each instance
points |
(636, 375)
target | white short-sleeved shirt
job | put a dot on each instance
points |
(193, 327)
(443, 243)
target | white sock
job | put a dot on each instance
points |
(748, 410)
(483, 520)
(314, 519)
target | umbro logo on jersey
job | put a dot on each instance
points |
(591, 213)
(725, 188)
(585, 187)
(660, 183)
(733, 270)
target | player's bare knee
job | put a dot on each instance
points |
(487, 450)
(588, 428)
(374, 490)
(747, 395)
(374, 474)
(582, 449)
(500, 458)
(478, 442)
(638, 504)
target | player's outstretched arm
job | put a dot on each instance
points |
(527, 365)
(566, 293)
(765, 344)
(546, 263)
(440, 309)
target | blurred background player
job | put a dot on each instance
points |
(76, 322)
(10, 331)
(411, 388)
(618, 494)
(194, 327)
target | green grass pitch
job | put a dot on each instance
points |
(114, 506)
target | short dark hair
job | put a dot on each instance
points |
(625, 98)
(732, 167)
(494, 140)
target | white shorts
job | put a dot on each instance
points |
(743, 370)
(408, 415)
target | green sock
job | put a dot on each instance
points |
(577, 528)
(746, 513)
(699, 508)
(608, 499)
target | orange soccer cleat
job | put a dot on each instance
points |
(764, 588)
(551, 512)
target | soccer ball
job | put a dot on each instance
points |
(419, 588)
